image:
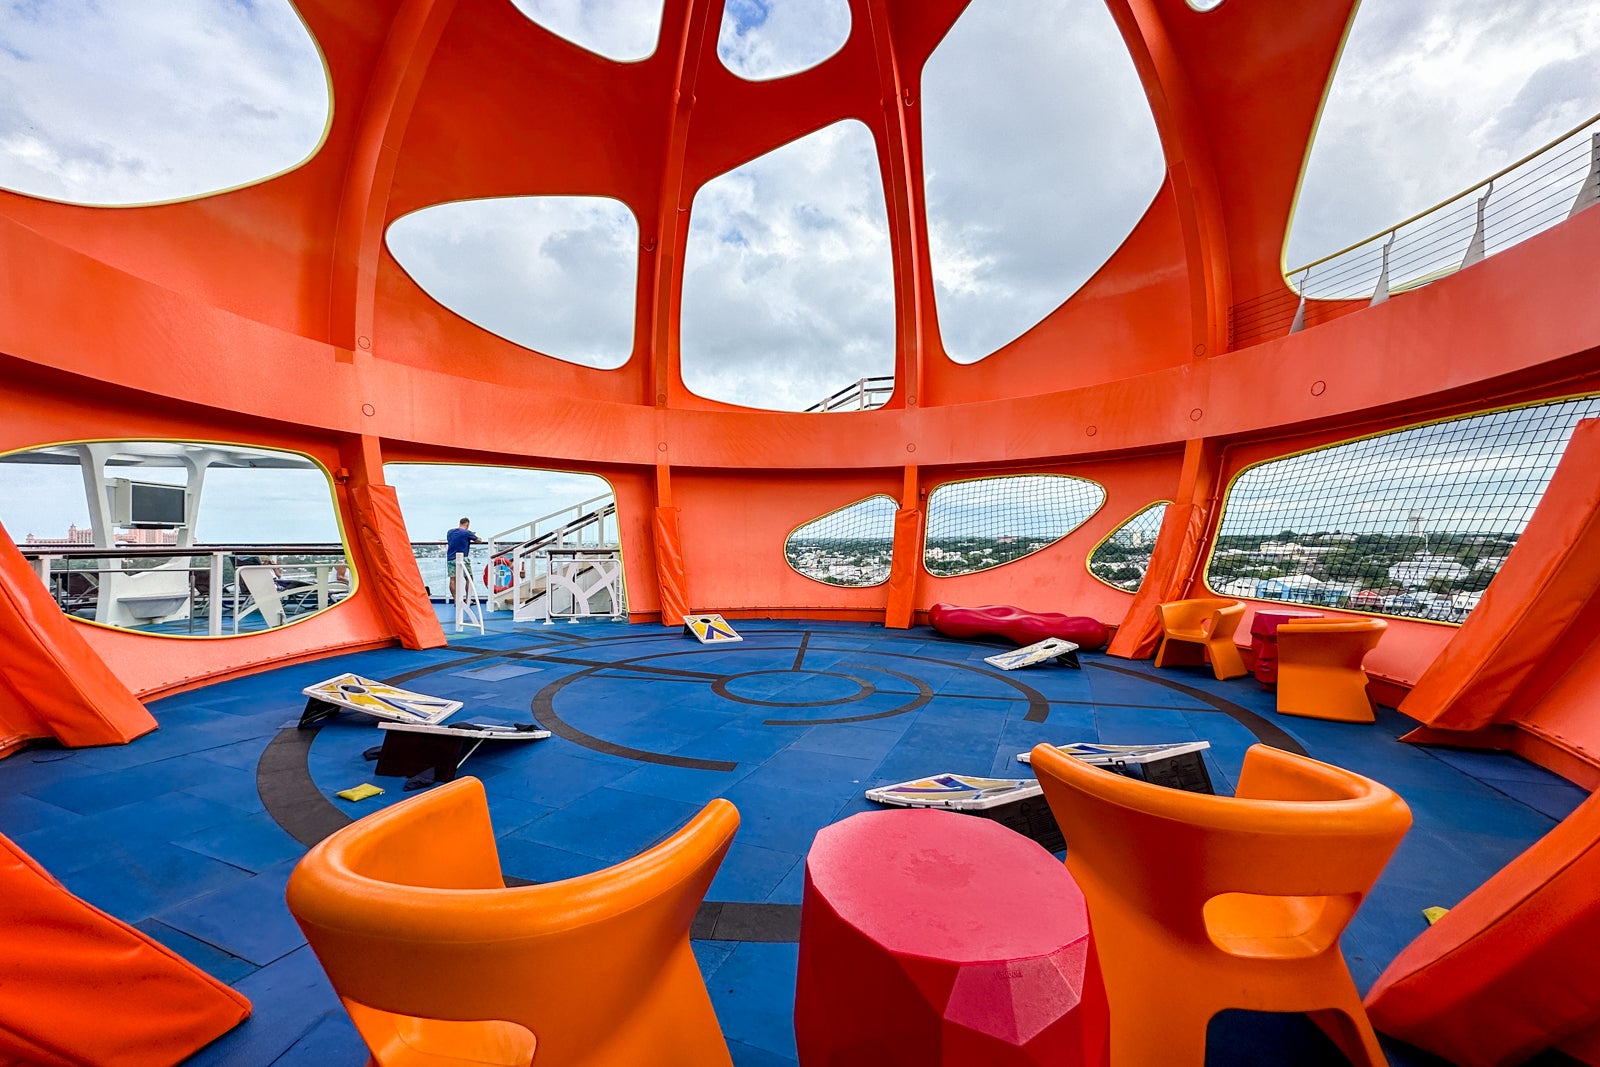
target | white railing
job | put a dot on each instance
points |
(1544, 188)
(864, 394)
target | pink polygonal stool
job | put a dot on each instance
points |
(933, 938)
(1014, 624)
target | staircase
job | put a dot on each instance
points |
(582, 525)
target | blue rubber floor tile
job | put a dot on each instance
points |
(1143, 726)
(240, 754)
(1473, 808)
(1556, 799)
(753, 993)
(101, 792)
(237, 791)
(687, 784)
(90, 839)
(792, 889)
(846, 739)
(816, 772)
(36, 769)
(496, 672)
(507, 814)
(779, 819)
(223, 966)
(612, 824)
(751, 873)
(22, 814)
(288, 1000)
(135, 885)
(553, 778)
(249, 920)
(534, 861)
(1486, 764)
(710, 955)
(331, 1041)
(739, 742)
(751, 1056)
(254, 842)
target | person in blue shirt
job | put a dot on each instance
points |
(459, 540)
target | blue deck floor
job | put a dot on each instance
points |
(172, 834)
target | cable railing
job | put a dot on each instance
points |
(1527, 197)
(213, 589)
(863, 394)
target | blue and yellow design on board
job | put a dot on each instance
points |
(711, 629)
(351, 692)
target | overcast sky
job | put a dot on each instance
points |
(1040, 150)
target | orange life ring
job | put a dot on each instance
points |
(503, 577)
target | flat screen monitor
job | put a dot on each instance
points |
(148, 504)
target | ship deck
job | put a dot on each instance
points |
(190, 833)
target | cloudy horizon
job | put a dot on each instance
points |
(1041, 156)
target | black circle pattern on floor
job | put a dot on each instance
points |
(296, 803)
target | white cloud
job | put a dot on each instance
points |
(1041, 156)
(763, 39)
(1430, 98)
(434, 497)
(788, 290)
(123, 103)
(556, 274)
(623, 30)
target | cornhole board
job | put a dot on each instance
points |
(351, 692)
(427, 754)
(1051, 648)
(1015, 803)
(1177, 766)
(710, 629)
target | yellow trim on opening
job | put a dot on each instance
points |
(895, 505)
(922, 557)
(316, 149)
(333, 498)
(1222, 512)
(1088, 557)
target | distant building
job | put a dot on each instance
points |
(147, 537)
(75, 536)
(1425, 567)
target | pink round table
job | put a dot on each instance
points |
(936, 938)
(1264, 641)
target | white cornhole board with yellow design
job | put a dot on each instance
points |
(351, 692)
(711, 629)
(1039, 652)
(1015, 803)
(1177, 766)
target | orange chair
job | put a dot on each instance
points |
(1319, 668)
(1200, 903)
(1195, 632)
(440, 964)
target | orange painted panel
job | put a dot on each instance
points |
(57, 687)
(79, 987)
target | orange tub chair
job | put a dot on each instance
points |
(1195, 632)
(1200, 903)
(439, 963)
(1319, 668)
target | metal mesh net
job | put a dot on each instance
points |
(1121, 559)
(851, 546)
(982, 523)
(1413, 523)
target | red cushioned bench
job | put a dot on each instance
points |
(1017, 625)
